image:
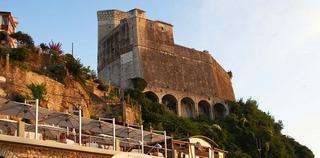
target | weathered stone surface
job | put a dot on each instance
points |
(59, 97)
(138, 47)
(2, 93)
(2, 79)
(17, 150)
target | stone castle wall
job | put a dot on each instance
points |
(167, 67)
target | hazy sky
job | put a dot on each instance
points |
(272, 47)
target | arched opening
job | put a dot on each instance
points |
(152, 96)
(187, 107)
(204, 108)
(220, 110)
(171, 102)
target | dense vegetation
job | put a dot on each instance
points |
(48, 59)
(245, 132)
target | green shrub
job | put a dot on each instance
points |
(23, 38)
(73, 65)
(19, 54)
(4, 51)
(38, 90)
(139, 83)
(57, 72)
(232, 133)
(18, 97)
(102, 87)
(44, 46)
(54, 56)
(77, 70)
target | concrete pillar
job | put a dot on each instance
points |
(210, 153)
(179, 109)
(196, 109)
(118, 148)
(174, 153)
(21, 128)
(211, 112)
(192, 151)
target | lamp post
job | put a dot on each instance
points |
(80, 126)
(37, 118)
(113, 130)
(142, 140)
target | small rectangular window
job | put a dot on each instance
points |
(5, 20)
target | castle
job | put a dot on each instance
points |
(188, 81)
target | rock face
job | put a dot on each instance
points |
(130, 45)
(69, 97)
(2, 79)
(2, 93)
(59, 97)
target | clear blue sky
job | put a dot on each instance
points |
(272, 47)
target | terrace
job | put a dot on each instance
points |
(28, 121)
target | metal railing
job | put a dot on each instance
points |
(120, 138)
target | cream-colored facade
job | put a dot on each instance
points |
(197, 147)
(8, 24)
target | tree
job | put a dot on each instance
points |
(139, 83)
(19, 54)
(38, 90)
(44, 46)
(23, 38)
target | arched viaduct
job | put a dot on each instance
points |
(189, 105)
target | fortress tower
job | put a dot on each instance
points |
(188, 81)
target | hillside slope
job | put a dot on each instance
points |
(246, 132)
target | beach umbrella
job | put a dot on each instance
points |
(97, 127)
(62, 120)
(16, 109)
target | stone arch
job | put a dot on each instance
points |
(152, 96)
(204, 108)
(187, 107)
(220, 110)
(171, 102)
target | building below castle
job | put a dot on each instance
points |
(188, 81)
(8, 26)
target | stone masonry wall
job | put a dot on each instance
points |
(167, 67)
(179, 68)
(15, 150)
